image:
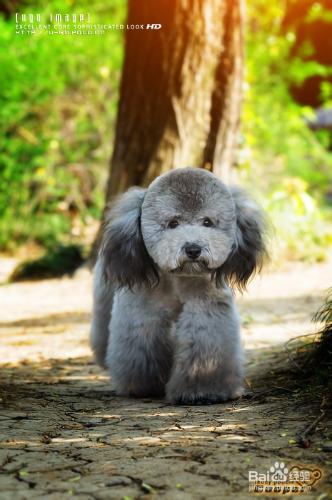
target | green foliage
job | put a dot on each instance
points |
(289, 165)
(299, 225)
(58, 97)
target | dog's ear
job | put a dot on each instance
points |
(125, 259)
(249, 249)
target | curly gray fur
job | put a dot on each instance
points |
(164, 319)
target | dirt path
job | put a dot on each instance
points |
(64, 434)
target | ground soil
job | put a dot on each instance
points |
(64, 433)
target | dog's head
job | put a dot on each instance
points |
(186, 223)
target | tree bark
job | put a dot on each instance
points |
(180, 93)
(181, 90)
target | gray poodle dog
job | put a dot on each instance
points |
(164, 319)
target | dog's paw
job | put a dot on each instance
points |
(204, 398)
(197, 399)
(211, 399)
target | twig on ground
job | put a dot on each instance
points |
(303, 439)
(252, 395)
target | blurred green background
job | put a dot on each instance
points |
(58, 101)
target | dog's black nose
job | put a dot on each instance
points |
(192, 250)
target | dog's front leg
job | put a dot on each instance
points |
(139, 354)
(208, 355)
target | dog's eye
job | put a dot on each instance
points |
(173, 224)
(207, 222)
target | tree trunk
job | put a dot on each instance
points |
(180, 93)
(181, 90)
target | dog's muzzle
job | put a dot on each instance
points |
(190, 267)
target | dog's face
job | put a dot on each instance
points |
(188, 222)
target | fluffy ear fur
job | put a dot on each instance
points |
(125, 260)
(249, 248)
